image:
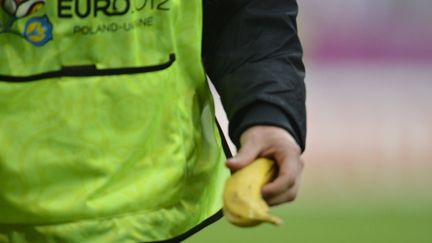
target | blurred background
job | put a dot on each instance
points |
(368, 175)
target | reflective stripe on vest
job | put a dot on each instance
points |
(107, 129)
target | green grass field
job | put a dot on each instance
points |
(351, 203)
(305, 223)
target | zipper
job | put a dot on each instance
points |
(88, 71)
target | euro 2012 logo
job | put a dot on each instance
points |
(37, 30)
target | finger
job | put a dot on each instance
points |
(287, 196)
(247, 153)
(289, 171)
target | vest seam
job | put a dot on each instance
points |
(89, 219)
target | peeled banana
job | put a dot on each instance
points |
(243, 203)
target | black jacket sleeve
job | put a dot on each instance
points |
(253, 56)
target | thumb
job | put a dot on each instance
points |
(247, 153)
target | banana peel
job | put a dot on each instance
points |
(243, 203)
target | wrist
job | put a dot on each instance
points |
(260, 114)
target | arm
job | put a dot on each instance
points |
(253, 56)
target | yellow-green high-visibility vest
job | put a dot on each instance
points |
(107, 129)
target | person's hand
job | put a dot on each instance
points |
(277, 144)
